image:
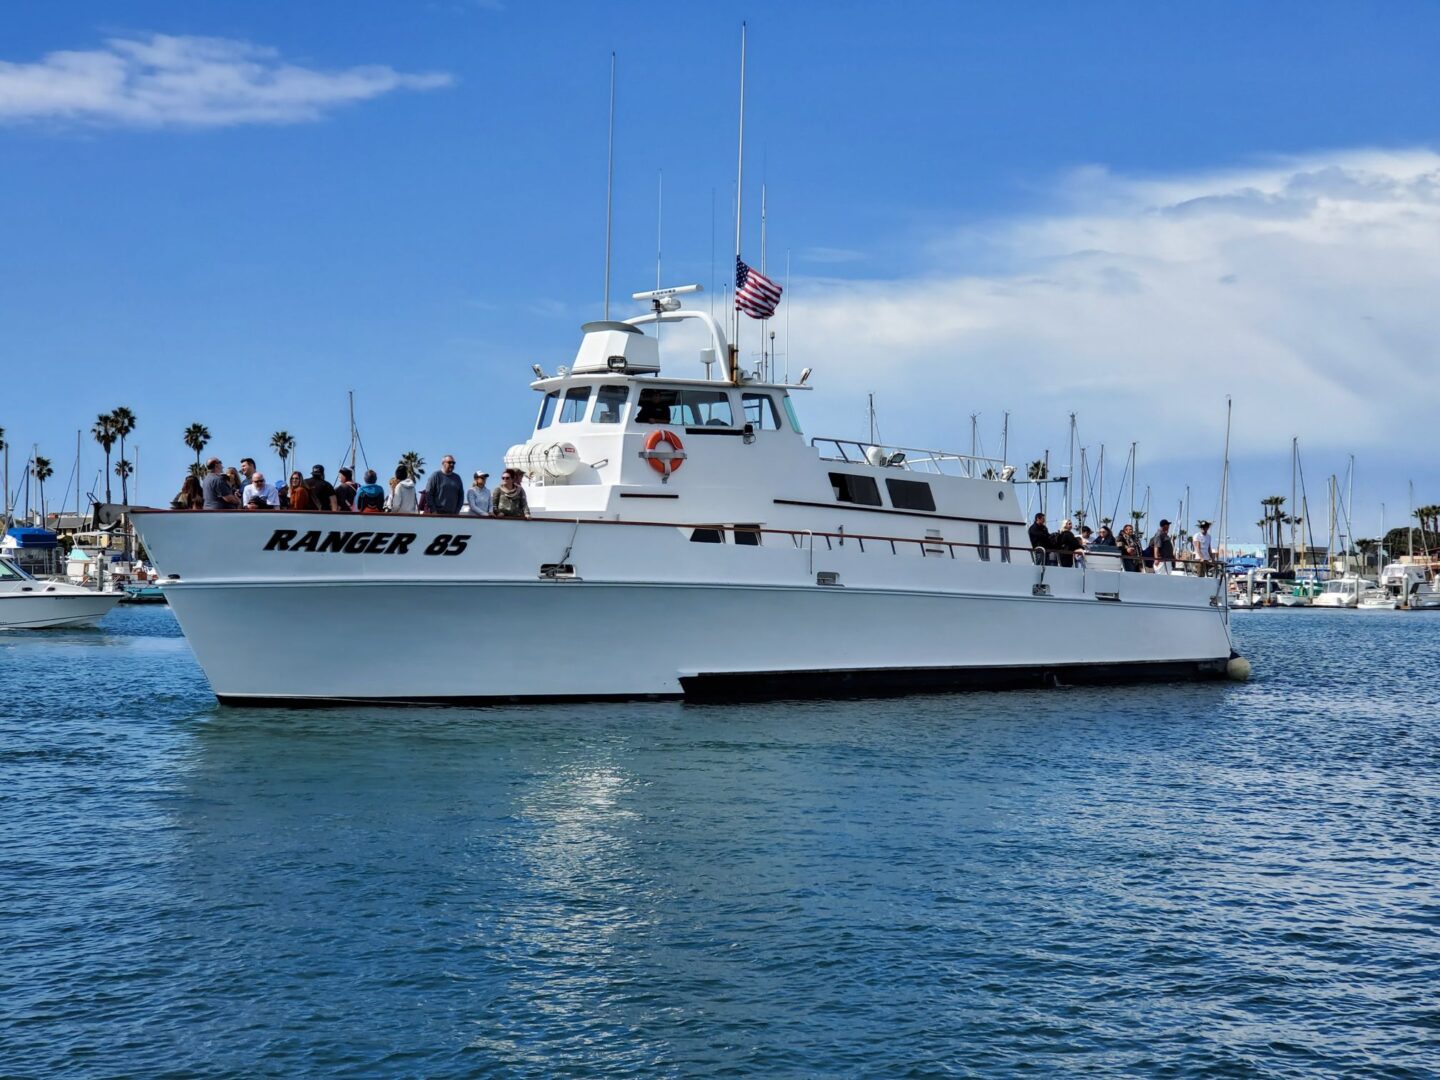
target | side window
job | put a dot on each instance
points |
(655, 405)
(576, 398)
(790, 412)
(985, 543)
(910, 494)
(547, 410)
(1004, 542)
(703, 408)
(760, 411)
(609, 404)
(706, 536)
(746, 535)
(855, 489)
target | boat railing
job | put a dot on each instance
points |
(942, 462)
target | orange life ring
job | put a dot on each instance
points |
(668, 461)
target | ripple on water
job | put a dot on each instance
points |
(1173, 881)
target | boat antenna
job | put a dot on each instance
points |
(739, 201)
(609, 183)
(764, 247)
(787, 315)
(1070, 472)
(1225, 483)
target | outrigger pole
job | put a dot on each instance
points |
(739, 198)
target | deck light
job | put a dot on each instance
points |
(539, 371)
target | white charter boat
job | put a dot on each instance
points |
(31, 603)
(686, 540)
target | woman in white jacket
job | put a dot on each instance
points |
(402, 493)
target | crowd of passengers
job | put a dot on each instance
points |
(1157, 556)
(245, 488)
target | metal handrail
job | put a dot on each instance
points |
(855, 452)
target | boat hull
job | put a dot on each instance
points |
(58, 609)
(647, 613)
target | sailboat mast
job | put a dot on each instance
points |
(1294, 453)
(739, 202)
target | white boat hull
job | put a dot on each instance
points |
(647, 613)
(43, 610)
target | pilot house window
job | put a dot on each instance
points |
(760, 412)
(576, 398)
(684, 408)
(547, 410)
(855, 489)
(609, 404)
(910, 495)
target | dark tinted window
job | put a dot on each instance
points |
(1004, 543)
(855, 489)
(747, 535)
(547, 409)
(910, 495)
(984, 543)
(706, 536)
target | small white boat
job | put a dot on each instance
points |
(1377, 599)
(1343, 592)
(28, 603)
(1411, 584)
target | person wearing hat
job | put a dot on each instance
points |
(1204, 547)
(322, 494)
(477, 496)
(1161, 550)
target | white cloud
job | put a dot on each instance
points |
(1308, 289)
(187, 82)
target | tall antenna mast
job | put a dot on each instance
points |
(352, 432)
(1225, 484)
(739, 200)
(609, 183)
(787, 316)
(764, 323)
(659, 226)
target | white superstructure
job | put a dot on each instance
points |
(687, 539)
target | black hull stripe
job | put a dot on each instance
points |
(781, 685)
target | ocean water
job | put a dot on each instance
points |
(1190, 880)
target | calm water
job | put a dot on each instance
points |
(1220, 880)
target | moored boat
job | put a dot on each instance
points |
(31, 603)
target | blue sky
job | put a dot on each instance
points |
(234, 212)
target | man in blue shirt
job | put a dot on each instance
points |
(444, 491)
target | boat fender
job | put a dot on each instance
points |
(668, 461)
(1238, 669)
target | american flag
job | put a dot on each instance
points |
(755, 294)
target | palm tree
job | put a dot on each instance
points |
(1274, 517)
(283, 443)
(1037, 470)
(124, 421)
(42, 472)
(124, 470)
(196, 470)
(197, 437)
(414, 463)
(105, 435)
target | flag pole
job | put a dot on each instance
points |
(739, 198)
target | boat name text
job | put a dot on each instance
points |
(361, 543)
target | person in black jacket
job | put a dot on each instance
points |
(1040, 538)
(1066, 543)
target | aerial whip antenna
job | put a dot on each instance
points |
(609, 183)
(739, 199)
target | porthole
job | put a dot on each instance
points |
(1000, 495)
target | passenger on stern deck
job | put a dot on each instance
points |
(509, 499)
(1040, 538)
(477, 496)
(444, 493)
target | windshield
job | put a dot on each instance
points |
(10, 572)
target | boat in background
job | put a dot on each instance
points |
(1343, 592)
(1377, 599)
(30, 603)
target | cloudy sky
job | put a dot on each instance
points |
(232, 213)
